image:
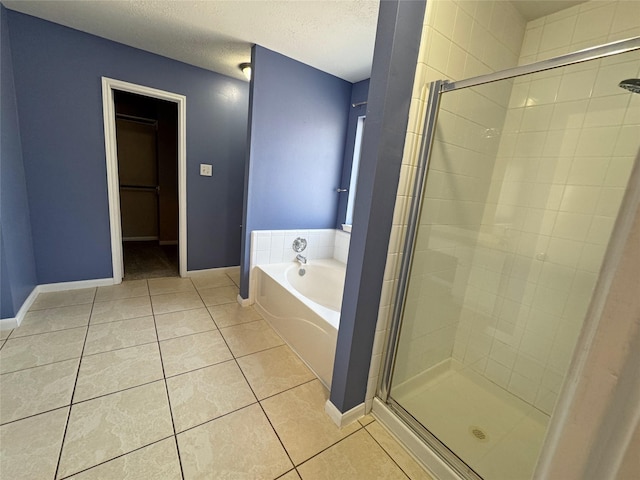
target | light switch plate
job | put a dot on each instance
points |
(206, 170)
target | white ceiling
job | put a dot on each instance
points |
(335, 36)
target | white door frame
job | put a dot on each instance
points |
(113, 184)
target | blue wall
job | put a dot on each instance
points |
(359, 94)
(298, 125)
(394, 63)
(58, 86)
(18, 275)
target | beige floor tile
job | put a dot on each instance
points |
(292, 475)
(235, 276)
(275, 370)
(366, 420)
(211, 279)
(63, 299)
(187, 322)
(219, 295)
(183, 354)
(174, 302)
(127, 289)
(53, 319)
(30, 447)
(105, 337)
(390, 445)
(251, 337)
(36, 390)
(299, 419)
(207, 393)
(231, 314)
(158, 461)
(250, 450)
(159, 286)
(110, 372)
(122, 309)
(357, 457)
(106, 427)
(36, 350)
(4, 334)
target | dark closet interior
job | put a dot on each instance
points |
(147, 138)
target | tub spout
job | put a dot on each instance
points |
(302, 259)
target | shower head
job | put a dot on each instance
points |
(631, 84)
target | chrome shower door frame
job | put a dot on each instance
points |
(436, 89)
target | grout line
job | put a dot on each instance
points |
(36, 414)
(117, 391)
(95, 324)
(199, 368)
(38, 366)
(116, 457)
(118, 349)
(385, 451)
(73, 392)
(217, 418)
(332, 445)
(51, 331)
(45, 333)
(166, 388)
(289, 389)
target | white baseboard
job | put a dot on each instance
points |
(195, 273)
(14, 322)
(62, 286)
(8, 323)
(245, 302)
(346, 418)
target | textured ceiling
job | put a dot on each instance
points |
(336, 36)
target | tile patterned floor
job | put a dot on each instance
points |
(169, 378)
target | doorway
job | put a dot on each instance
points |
(147, 145)
(146, 172)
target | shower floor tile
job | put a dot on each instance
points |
(170, 397)
(480, 422)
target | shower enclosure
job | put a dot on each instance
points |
(521, 177)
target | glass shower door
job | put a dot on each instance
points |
(524, 181)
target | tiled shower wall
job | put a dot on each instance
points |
(460, 39)
(567, 148)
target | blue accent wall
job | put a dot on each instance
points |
(58, 74)
(18, 275)
(298, 125)
(394, 63)
(359, 94)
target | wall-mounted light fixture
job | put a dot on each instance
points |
(246, 69)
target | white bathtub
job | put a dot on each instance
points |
(304, 310)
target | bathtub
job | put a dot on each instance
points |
(304, 310)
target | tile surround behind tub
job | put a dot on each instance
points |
(275, 246)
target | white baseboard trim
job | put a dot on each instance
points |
(62, 286)
(346, 418)
(195, 273)
(245, 302)
(14, 322)
(168, 242)
(416, 447)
